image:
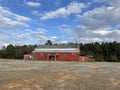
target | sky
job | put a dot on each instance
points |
(24, 22)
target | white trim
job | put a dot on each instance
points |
(57, 49)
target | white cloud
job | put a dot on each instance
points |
(22, 18)
(85, 35)
(57, 2)
(101, 16)
(44, 38)
(101, 24)
(115, 3)
(36, 13)
(9, 20)
(10, 23)
(101, 32)
(37, 36)
(28, 35)
(23, 37)
(54, 39)
(89, 40)
(72, 8)
(33, 4)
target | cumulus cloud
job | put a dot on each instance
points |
(29, 34)
(101, 24)
(101, 16)
(26, 37)
(9, 20)
(97, 24)
(38, 36)
(72, 8)
(86, 35)
(44, 38)
(33, 4)
(57, 2)
(9, 24)
(36, 13)
(115, 3)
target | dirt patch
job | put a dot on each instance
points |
(94, 69)
(64, 78)
(65, 75)
(60, 81)
(63, 72)
(115, 82)
(22, 85)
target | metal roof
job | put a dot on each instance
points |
(57, 48)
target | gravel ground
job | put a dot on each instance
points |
(58, 75)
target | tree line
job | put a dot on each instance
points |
(16, 52)
(106, 51)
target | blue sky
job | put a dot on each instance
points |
(61, 21)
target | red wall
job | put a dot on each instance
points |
(59, 56)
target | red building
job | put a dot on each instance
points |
(56, 52)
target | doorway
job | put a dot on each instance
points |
(52, 58)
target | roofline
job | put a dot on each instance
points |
(58, 46)
(55, 51)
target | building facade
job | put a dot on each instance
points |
(56, 52)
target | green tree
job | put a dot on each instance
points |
(49, 42)
(10, 51)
